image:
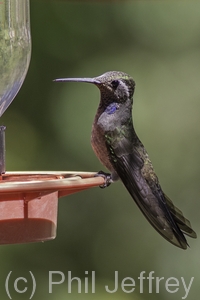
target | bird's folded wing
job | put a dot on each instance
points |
(161, 213)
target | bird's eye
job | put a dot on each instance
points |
(115, 83)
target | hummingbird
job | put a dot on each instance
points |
(120, 150)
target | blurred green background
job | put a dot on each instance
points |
(49, 125)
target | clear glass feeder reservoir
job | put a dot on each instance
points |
(15, 48)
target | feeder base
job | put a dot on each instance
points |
(25, 221)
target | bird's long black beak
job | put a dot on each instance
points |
(87, 80)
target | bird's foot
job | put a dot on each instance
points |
(107, 178)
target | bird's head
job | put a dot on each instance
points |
(114, 85)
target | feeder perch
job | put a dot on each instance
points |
(28, 200)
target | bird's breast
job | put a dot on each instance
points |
(98, 143)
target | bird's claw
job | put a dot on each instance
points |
(107, 178)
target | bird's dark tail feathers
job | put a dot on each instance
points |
(183, 223)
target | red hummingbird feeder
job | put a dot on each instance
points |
(28, 200)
